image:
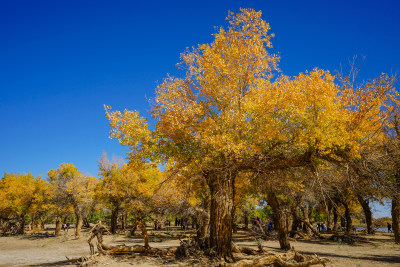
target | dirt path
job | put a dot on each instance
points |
(40, 250)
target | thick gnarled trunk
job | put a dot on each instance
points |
(222, 192)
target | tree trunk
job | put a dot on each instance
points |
(134, 227)
(142, 227)
(79, 222)
(349, 222)
(306, 230)
(204, 215)
(58, 226)
(123, 221)
(246, 220)
(335, 219)
(280, 220)
(396, 209)
(194, 221)
(367, 211)
(114, 217)
(86, 222)
(42, 223)
(234, 224)
(21, 228)
(329, 223)
(295, 223)
(222, 192)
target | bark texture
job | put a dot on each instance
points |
(222, 192)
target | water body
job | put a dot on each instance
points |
(363, 228)
(376, 229)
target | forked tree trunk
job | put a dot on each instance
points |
(367, 211)
(222, 195)
(280, 220)
(79, 222)
(396, 209)
(58, 226)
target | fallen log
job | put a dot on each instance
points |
(245, 250)
(137, 249)
(315, 232)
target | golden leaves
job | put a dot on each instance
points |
(229, 105)
(22, 193)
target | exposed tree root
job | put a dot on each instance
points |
(189, 248)
(289, 259)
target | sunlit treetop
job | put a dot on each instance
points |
(230, 105)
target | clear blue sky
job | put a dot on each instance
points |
(60, 61)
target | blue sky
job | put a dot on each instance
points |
(60, 61)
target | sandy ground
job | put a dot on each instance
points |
(41, 250)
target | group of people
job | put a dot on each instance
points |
(268, 224)
(321, 226)
(184, 223)
(65, 226)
